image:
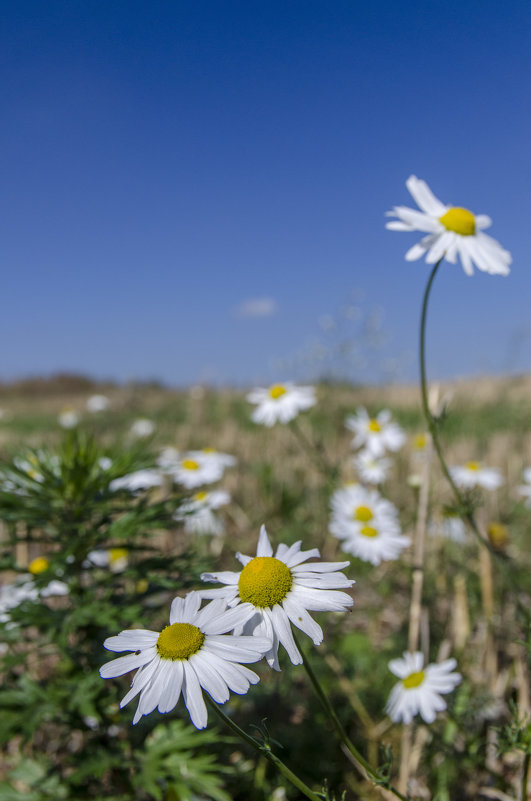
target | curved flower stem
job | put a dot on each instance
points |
(466, 513)
(365, 768)
(525, 774)
(265, 751)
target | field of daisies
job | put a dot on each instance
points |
(289, 592)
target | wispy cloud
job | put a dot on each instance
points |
(257, 307)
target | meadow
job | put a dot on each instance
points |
(62, 732)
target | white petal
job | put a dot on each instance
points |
(131, 640)
(193, 697)
(264, 546)
(209, 678)
(300, 618)
(173, 687)
(224, 577)
(229, 620)
(141, 679)
(424, 197)
(285, 635)
(124, 664)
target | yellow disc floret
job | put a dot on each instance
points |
(190, 464)
(369, 531)
(460, 221)
(38, 565)
(414, 680)
(179, 641)
(474, 466)
(363, 514)
(200, 496)
(374, 425)
(117, 555)
(264, 581)
(420, 442)
(276, 391)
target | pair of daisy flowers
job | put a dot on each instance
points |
(257, 605)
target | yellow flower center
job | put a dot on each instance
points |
(498, 534)
(142, 585)
(179, 641)
(264, 581)
(474, 466)
(200, 496)
(414, 680)
(116, 554)
(189, 464)
(276, 391)
(38, 565)
(209, 450)
(420, 442)
(459, 220)
(363, 514)
(374, 425)
(369, 531)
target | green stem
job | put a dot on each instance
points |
(265, 751)
(432, 427)
(330, 711)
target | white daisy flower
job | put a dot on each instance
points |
(280, 403)
(281, 589)
(452, 231)
(142, 428)
(216, 457)
(525, 489)
(366, 524)
(375, 434)
(116, 559)
(198, 513)
(473, 474)
(193, 652)
(24, 589)
(137, 481)
(419, 689)
(194, 469)
(97, 403)
(68, 418)
(370, 468)
(449, 526)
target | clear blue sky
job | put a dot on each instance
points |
(165, 163)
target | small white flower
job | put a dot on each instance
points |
(370, 468)
(97, 403)
(115, 559)
(104, 463)
(282, 588)
(280, 403)
(24, 589)
(452, 231)
(376, 434)
(366, 524)
(473, 474)
(198, 513)
(419, 689)
(450, 526)
(193, 652)
(193, 469)
(214, 457)
(137, 481)
(69, 418)
(525, 489)
(142, 428)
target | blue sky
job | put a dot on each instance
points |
(187, 188)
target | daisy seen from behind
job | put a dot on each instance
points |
(475, 474)
(366, 524)
(420, 689)
(282, 589)
(192, 653)
(375, 434)
(451, 231)
(280, 403)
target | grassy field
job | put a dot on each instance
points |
(284, 478)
